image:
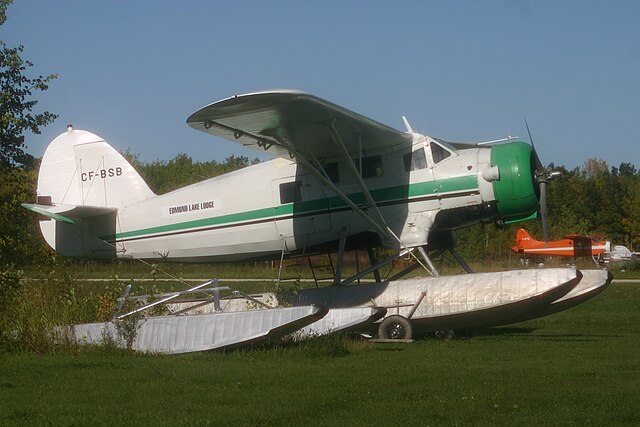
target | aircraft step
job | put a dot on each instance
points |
(320, 272)
(286, 265)
(290, 270)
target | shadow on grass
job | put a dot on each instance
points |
(576, 337)
(528, 333)
(504, 331)
(394, 348)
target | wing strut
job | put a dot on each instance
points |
(363, 187)
(318, 172)
(380, 225)
(325, 180)
(425, 257)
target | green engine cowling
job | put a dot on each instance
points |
(515, 191)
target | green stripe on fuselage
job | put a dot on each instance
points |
(217, 220)
(401, 192)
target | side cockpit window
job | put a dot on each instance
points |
(415, 160)
(438, 152)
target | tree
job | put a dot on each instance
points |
(163, 176)
(626, 170)
(19, 243)
(16, 103)
(631, 221)
(568, 208)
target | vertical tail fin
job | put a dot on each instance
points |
(521, 236)
(80, 168)
(82, 184)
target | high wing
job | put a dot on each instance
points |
(576, 237)
(291, 124)
(582, 238)
(573, 236)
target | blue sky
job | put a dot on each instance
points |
(133, 71)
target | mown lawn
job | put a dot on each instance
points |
(579, 367)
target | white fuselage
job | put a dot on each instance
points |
(261, 210)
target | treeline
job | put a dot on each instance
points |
(594, 199)
(163, 176)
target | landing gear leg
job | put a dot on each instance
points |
(343, 241)
(374, 261)
(427, 260)
(446, 241)
(460, 260)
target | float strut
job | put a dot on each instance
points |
(461, 261)
(427, 260)
(343, 241)
(373, 261)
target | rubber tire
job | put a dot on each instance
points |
(395, 327)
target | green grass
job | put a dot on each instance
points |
(579, 367)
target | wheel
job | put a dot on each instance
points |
(395, 327)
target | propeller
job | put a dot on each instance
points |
(542, 176)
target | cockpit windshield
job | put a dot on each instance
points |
(445, 144)
(440, 150)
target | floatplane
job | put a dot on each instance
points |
(338, 181)
(571, 245)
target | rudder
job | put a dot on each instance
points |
(80, 168)
(521, 236)
(83, 182)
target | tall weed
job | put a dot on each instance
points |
(32, 311)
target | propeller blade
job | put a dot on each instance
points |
(541, 176)
(539, 167)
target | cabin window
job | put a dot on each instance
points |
(371, 166)
(332, 171)
(290, 192)
(415, 160)
(438, 152)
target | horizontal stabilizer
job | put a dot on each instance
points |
(68, 213)
(77, 230)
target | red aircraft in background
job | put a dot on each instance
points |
(572, 245)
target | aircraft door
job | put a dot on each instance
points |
(418, 218)
(301, 211)
(456, 183)
(422, 185)
(453, 174)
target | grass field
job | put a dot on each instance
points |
(579, 367)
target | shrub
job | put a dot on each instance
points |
(32, 311)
